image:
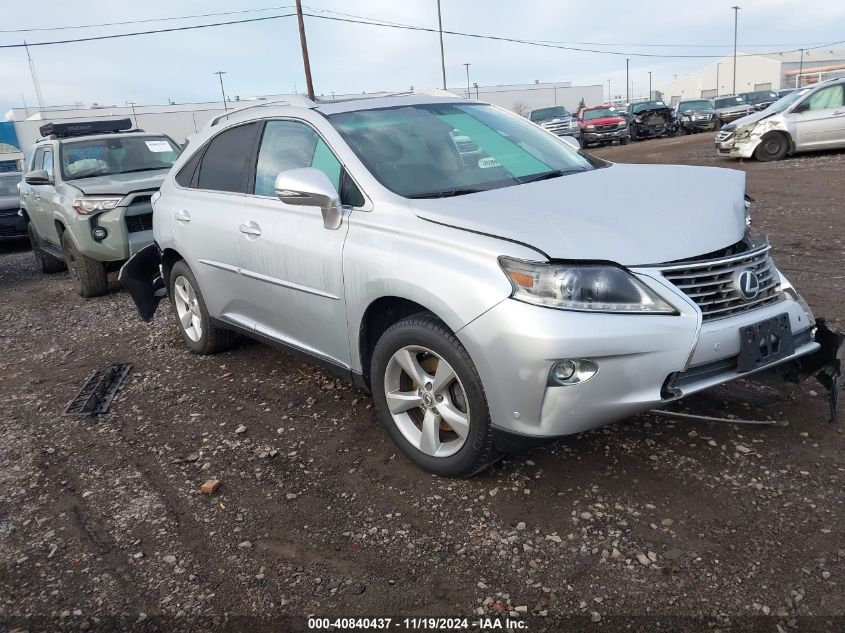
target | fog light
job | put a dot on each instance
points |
(99, 233)
(571, 371)
(564, 370)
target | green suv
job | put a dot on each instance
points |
(87, 195)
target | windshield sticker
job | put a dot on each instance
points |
(159, 146)
(486, 163)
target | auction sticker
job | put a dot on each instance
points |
(158, 146)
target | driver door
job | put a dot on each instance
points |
(819, 119)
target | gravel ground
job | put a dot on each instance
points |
(645, 525)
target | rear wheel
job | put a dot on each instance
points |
(430, 399)
(88, 275)
(773, 146)
(191, 313)
(45, 262)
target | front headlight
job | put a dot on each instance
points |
(590, 288)
(743, 133)
(622, 125)
(590, 128)
(87, 206)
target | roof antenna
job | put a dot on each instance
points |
(34, 80)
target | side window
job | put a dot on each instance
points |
(291, 145)
(47, 164)
(27, 159)
(39, 157)
(186, 175)
(226, 163)
(830, 97)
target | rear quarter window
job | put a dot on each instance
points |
(228, 158)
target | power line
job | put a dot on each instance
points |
(146, 21)
(380, 21)
(391, 25)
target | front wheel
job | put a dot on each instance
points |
(199, 334)
(430, 399)
(88, 275)
(773, 146)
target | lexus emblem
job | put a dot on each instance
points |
(747, 284)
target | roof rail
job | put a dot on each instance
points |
(293, 100)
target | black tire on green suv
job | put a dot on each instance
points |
(88, 275)
(46, 262)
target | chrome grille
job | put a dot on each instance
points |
(558, 127)
(711, 284)
(724, 135)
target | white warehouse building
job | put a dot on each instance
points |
(181, 120)
(756, 72)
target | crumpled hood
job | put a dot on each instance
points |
(120, 184)
(655, 110)
(748, 120)
(628, 214)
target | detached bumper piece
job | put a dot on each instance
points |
(141, 276)
(826, 364)
(99, 390)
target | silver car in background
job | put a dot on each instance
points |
(490, 300)
(804, 120)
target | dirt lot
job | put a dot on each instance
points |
(646, 525)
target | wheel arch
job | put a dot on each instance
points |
(379, 315)
(169, 257)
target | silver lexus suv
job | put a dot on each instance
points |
(490, 300)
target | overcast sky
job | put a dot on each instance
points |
(264, 57)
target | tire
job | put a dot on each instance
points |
(773, 146)
(45, 262)
(624, 140)
(426, 339)
(88, 275)
(718, 125)
(632, 132)
(199, 334)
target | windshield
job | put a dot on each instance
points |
(648, 105)
(9, 185)
(116, 155)
(544, 114)
(728, 102)
(762, 95)
(412, 149)
(599, 113)
(687, 106)
(784, 102)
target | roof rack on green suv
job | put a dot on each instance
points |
(87, 196)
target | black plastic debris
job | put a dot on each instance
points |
(98, 391)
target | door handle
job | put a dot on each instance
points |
(182, 216)
(250, 228)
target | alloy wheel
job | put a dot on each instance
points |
(187, 308)
(427, 401)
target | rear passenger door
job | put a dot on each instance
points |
(206, 216)
(292, 264)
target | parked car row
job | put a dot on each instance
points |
(476, 274)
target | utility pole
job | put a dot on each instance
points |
(134, 116)
(627, 82)
(34, 80)
(442, 54)
(469, 96)
(736, 19)
(220, 74)
(649, 84)
(475, 85)
(609, 95)
(800, 70)
(305, 62)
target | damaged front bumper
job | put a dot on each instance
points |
(731, 144)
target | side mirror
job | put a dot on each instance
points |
(571, 142)
(310, 187)
(804, 106)
(38, 177)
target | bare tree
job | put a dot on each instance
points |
(520, 108)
